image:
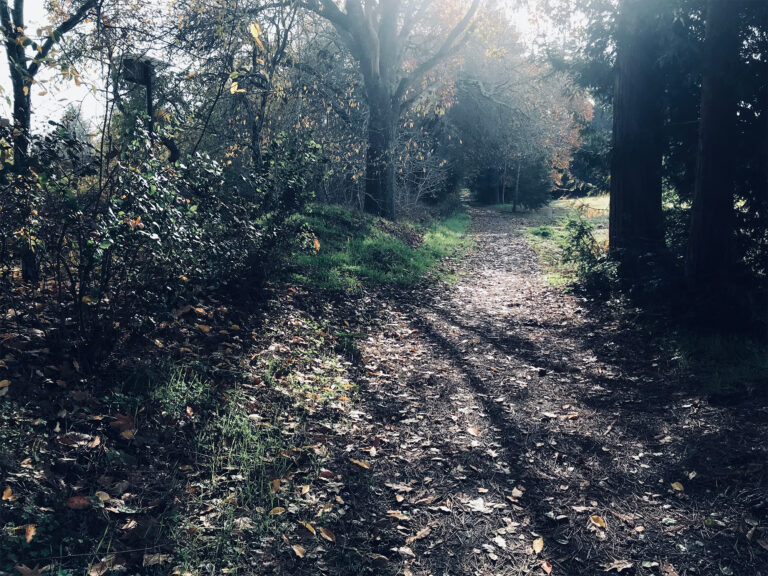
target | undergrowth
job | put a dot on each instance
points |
(347, 250)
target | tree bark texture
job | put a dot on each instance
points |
(710, 248)
(636, 224)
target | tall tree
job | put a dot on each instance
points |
(24, 68)
(377, 34)
(636, 225)
(710, 246)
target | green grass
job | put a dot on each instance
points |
(547, 234)
(355, 250)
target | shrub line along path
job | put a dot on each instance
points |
(506, 427)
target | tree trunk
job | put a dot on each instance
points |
(517, 185)
(21, 120)
(380, 161)
(636, 222)
(710, 246)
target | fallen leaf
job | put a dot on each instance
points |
(5, 383)
(29, 532)
(547, 567)
(78, 503)
(299, 550)
(103, 496)
(327, 534)
(304, 489)
(478, 505)
(617, 565)
(598, 521)
(308, 526)
(378, 559)
(8, 494)
(423, 533)
(677, 486)
(667, 569)
(277, 511)
(154, 559)
(274, 486)
(397, 514)
(361, 463)
(474, 431)
(101, 568)
(538, 545)
(406, 552)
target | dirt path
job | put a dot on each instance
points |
(514, 429)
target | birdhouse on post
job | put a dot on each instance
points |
(138, 70)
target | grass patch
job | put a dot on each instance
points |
(548, 233)
(354, 249)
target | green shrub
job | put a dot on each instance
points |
(117, 242)
(542, 231)
(596, 272)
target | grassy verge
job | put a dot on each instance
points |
(353, 250)
(548, 235)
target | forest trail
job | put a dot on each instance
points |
(516, 429)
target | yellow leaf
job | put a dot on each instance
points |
(26, 90)
(361, 463)
(299, 550)
(538, 545)
(304, 489)
(277, 511)
(317, 245)
(255, 31)
(275, 485)
(5, 383)
(30, 532)
(203, 328)
(677, 486)
(8, 493)
(308, 526)
(597, 521)
(327, 534)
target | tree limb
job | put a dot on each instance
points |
(62, 29)
(449, 46)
